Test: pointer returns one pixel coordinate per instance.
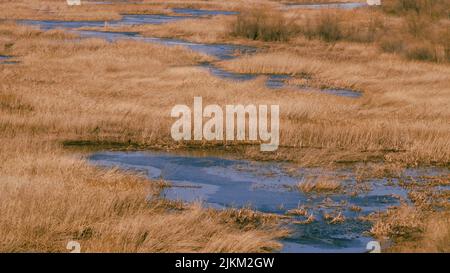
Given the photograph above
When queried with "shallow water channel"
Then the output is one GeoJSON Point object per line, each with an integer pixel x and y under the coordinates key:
{"type": "Point", "coordinates": [348, 5]}
{"type": "Point", "coordinates": [270, 187]}
{"type": "Point", "coordinates": [220, 51]}
{"type": "Point", "coordinates": [5, 60]}
{"type": "Point", "coordinates": [221, 182]}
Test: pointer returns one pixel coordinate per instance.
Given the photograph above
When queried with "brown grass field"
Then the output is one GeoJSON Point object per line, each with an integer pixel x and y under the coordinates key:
{"type": "Point", "coordinates": [69, 91]}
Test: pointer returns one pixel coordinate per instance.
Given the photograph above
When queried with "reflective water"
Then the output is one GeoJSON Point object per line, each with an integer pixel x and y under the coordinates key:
{"type": "Point", "coordinates": [221, 183]}
{"type": "Point", "coordinates": [334, 91]}
{"type": "Point", "coordinates": [127, 19]}
{"type": "Point", "coordinates": [4, 60]}
{"type": "Point", "coordinates": [276, 81]}
{"type": "Point", "coordinates": [326, 6]}
{"type": "Point", "coordinates": [273, 81]}
{"type": "Point", "coordinates": [220, 51]}
{"type": "Point", "coordinates": [201, 12]}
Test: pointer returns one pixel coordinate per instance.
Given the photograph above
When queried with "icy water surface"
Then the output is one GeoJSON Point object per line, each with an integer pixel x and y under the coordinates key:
{"type": "Point", "coordinates": [267, 187]}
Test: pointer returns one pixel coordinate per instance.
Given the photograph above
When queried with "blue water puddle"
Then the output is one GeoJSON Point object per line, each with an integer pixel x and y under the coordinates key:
{"type": "Point", "coordinates": [274, 81]}
{"type": "Point", "coordinates": [127, 20]}
{"type": "Point", "coordinates": [153, 19]}
{"type": "Point", "coordinates": [342, 92]}
{"type": "Point", "coordinates": [224, 74]}
{"type": "Point", "coordinates": [220, 51]}
{"type": "Point", "coordinates": [109, 36]}
{"type": "Point", "coordinates": [326, 6]}
{"type": "Point", "coordinates": [201, 12]}
{"type": "Point", "coordinates": [225, 183]}
{"type": "Point", "coordinates": [4, 60]}
{"type": "Point", "coordinates": [334, 91]}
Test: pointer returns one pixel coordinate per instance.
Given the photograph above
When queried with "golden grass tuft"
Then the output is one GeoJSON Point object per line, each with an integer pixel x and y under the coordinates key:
{"type": "Point", "coordinates": [432, 8]}
{"type": "Point", "coordinates": [399, 222]}
{"type": "Point", "coordinates": [319, 185]}
{"type": "Point", "coordinates": [262, 23]}
{"type": "Point", "coordinates": [311, 219]}
{"type": "Point", "coordinates": [414, 230]}
{"type": "Point", "coordinates": [301, 211]}
{"type": "Point", "coordinates": [333, 219]}
{"type": "Point", "coordinates": [415, 36]}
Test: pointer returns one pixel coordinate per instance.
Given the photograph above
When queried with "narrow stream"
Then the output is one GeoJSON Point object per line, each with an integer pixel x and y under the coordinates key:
{"type": "Point", "coordinates": [220, 51]}
{"type": "Point", "coordinates": [347, 5]}
{"type": "Point", "coordinates": [5, 60]}
{"type": "Point", "coordinates": [269, 187]}
{"type": "Point", "coordinates": [201, 12]}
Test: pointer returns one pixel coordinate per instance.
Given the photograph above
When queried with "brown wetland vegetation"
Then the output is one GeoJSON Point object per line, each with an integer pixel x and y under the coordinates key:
{"type": "Point", "coordinates": [68, 90]}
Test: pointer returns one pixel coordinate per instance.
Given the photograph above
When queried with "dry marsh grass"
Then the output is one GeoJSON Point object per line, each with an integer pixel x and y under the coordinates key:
{"type": "Point", "coordinates": [431, 8]}
{"type": "Point", "coordinates": [416, 30]}
{"type": "Point", "coordinates": [421, 225]}
{"type": "Point", "coordinates": [263, 24]}
{"type": "Point", "coordinates": [300, 211]}
{"type": "Point", "coordinates": [407, 137]}
{"type": "Point", "coordinates": [410, 35]}
{"type": "Point", "coordinates": [416, 36]}
{"type": "Point", "coordinates": [319, 185]}
{"type": "Point", "coordinates": [402, 222]}
{"type": "Point", "coordinates": [59, 10]}
{"type": "Point", "coordinates": [91, 91]}
{"type": "Point", "coordinates": [49, 197]}
{"type": "Point", "coordinates": [414, 230]}
{"type": "Point", "coordinates": [327, 27]}
{"type": "Point", "coordinates": [392, 88]}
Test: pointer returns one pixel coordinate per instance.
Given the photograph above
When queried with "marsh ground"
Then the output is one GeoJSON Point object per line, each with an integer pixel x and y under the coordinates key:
{"type": "Point", "coordinates": [66, 90]}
